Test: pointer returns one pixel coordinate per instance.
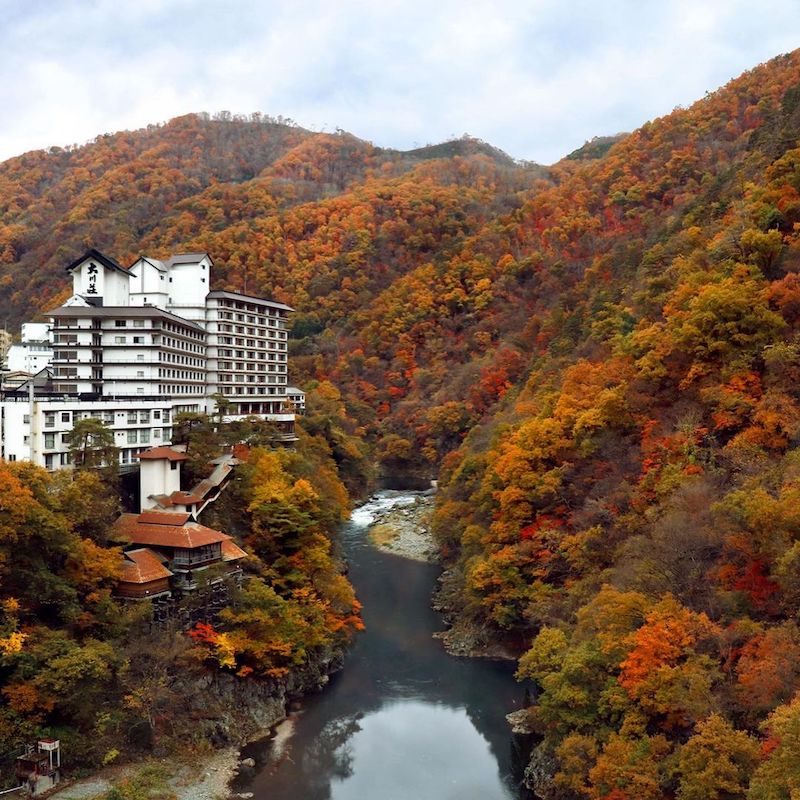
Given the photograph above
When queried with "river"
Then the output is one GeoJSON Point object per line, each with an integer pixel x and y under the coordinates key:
{"type": "Point", "coordinates": [403, 720]}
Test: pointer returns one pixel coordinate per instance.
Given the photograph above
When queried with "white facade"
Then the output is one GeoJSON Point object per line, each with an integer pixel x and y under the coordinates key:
{"type": "Point", "coordinates": [94, 279]}
{"type": "Point", "coordinates": [127, 351]}
{"type": "Point", "coordinates": [38, 430]}
{"type": "Point", "coordinates": [189, 281]}
{"type": "Point", "coordinates": [35, 350]}
{"type": "Point", "coordinates": [297, 397]}
{"type": "Point", "coordinates": [247, 353]}
{"type": "Point", "coordinates": [148, 283]}
{"type": "Point", "coordinates": [158, 476]}
{"type": "Point", "coordinates": [136, 346]}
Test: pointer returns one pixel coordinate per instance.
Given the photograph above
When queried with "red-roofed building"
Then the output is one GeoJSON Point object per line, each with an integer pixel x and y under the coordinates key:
{"type": "Point", "coordinates": [184, 547]}
{"type": "Point", "coordinates": [144, 575]}
{"type": "Point", "coordinates": [165, 542]}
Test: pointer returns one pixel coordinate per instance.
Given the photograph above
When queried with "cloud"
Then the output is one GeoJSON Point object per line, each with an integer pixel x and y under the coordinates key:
{"type": "Point", "coordinates": [534, 78]}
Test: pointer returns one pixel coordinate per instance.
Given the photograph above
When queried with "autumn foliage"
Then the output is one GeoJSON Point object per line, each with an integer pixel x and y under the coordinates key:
{"type": "Point", "coordinates": [599, 361]}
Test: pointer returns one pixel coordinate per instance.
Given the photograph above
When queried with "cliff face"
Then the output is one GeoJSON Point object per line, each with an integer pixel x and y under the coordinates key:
{"type": "Point", "coordinates": [227, 710]}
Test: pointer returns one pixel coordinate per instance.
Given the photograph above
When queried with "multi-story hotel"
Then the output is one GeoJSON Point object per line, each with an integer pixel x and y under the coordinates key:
{"type": "Point", "coordinates": [134, 347]}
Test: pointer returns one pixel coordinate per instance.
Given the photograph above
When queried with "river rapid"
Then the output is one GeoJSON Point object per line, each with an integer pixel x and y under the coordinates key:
{"type": "Point", "coordinates": [403, 720]}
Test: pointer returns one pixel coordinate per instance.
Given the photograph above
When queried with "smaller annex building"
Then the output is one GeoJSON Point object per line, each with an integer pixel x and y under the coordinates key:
{"type": "Point", "coordinates": [166, 550]}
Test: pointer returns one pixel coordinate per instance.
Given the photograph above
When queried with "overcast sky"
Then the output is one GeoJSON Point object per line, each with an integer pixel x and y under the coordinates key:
{"type": "Point", "coordinates": [534, 78]}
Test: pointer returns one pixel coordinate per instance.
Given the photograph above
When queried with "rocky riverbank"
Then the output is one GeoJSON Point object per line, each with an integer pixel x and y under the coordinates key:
{"type": "Point", "coordinates": [206, 777]}
{"type": "Point", "coordinates": [224, 713]}
{"type": "Point", "coordinates": [404, 530]}
{"type": "Point", "coordinates": [465, 636]}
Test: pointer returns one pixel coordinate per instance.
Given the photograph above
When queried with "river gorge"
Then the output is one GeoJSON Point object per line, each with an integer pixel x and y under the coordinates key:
{"type": "Point", "coordinates": [403, 719]}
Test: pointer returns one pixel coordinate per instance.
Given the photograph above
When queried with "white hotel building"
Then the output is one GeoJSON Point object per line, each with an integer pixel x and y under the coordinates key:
{"type": "Point", "coordinates": [133, 347]}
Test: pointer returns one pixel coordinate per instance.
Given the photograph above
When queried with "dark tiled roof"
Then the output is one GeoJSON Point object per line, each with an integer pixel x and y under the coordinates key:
{"type": "Point", "coordinates": [121, 312]}
{"type": "Point", "coordinates": [96, 255]}
{"type": "Point", "coordinates": [187, 258]}
{"type": "Point", "coordinates": [154, 262]}
{"type": "Point", "coordinates": [246, 298]}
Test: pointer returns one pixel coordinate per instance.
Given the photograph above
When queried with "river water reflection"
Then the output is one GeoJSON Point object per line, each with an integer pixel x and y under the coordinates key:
{"type": "Point", "coordinates": [402, 720]}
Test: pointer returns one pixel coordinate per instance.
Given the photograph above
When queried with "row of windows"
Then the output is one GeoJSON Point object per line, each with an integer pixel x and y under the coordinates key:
{"type": "Point", "coordinates": [233, 390]}
{"type": "Point", "coordinates": [228, 328]}
{"type": "Point", "coordinates": [134, 416]}
{"type": "Point", "coordinates": [123, 323]}
{"type": "Point", "coordinates": [180, 344]}
{"type": "Point", "coordinates": [262, 352]}
{"type": "Point", "coordinates": [251, 367]}
{"type": "Point", "coordinates": [124, 339]}
{"type": "Point", "coordinates": [260, 345]}
{"type": "Point", "coordinates": [241, 305]}
{"type": "Point", "coordinates": [188, 332]}
{"type": "Point", "coordinates": [143, 417]}
{"type": "Point", "coordinates": [177, 358]}
{"type": "Point", "coordinates": [182, 374]}
{"type": "Point", "coordinates": [250, 343]}
{"type": "Point", "coordinates": [226, 377]}
{"type": "Point", "coordinates": [134, 436]}
{"type": "Point", "coordinates": [251, 318]}
{"type": "Point", "coordinates": [177, 388]}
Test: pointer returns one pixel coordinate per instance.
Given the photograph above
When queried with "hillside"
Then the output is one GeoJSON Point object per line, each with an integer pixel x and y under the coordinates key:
{"type": "Point", "coordinates": [599, 361]}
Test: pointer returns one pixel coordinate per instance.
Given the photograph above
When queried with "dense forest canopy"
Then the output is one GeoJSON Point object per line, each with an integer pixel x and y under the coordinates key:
{"type": "Point", "coordinates": [598, 360]}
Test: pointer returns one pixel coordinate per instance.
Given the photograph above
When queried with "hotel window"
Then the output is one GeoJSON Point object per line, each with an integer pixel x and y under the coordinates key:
{"type": "Point", "coordinates": [119, 340]}
{"type": "Point", "coordinates": [131, 437]}
{"type": "Point", "coordinates": [49, 440]}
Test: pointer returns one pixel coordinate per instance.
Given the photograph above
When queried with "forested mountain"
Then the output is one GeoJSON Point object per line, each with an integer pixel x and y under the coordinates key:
{"type": "Point", "coordinates": [599, 361]}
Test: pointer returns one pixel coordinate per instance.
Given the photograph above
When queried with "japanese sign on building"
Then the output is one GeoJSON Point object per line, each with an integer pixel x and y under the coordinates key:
{"type": "Point", "coordinates": [91, 272]}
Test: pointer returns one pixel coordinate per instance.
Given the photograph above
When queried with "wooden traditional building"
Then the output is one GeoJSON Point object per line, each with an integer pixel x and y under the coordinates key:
{"type": "Point", "coordinates": [144, 575]}
{"type": "Point", "coordinates": [166, 548]}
